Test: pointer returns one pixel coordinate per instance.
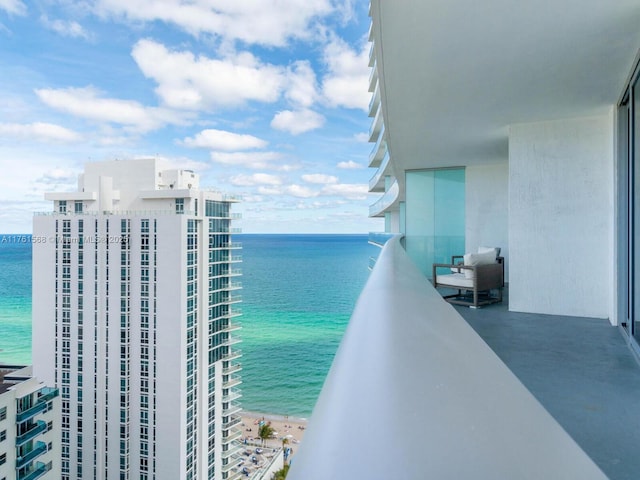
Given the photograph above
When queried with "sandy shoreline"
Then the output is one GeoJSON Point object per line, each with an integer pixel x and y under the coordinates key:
{"type": "Point", "coordinates": [291, 428]}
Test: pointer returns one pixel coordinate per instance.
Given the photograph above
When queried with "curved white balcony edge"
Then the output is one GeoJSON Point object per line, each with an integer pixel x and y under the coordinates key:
{"type": "Point", "coordinates": [387, 200]}
{"type": "Point", "coordinates": [379, 149]}
{"type": "Point", "coordinates": [376, 183]}
{"type": "Point", "coordinates": [414, 393]}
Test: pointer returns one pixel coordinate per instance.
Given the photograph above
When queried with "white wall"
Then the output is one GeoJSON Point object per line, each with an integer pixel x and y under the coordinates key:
{"type": "Point", "coordinates": [487, 209]}
{"type": "Point", "coordinates": [561, 216]}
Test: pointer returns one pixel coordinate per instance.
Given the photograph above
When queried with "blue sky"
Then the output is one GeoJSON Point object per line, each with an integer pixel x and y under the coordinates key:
{"type": "Point", "coordinates": [263, 98]}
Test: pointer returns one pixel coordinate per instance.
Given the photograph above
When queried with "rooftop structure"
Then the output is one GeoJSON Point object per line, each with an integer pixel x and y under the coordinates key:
{"type": "Point", "coordinates": [498, 124]}
{"type": "Point", "coordinates": [135, 301]}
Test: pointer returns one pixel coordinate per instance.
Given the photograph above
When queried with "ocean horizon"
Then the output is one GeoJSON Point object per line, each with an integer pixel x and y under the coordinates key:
{"type": "Point", "coordinates": [298, 294]}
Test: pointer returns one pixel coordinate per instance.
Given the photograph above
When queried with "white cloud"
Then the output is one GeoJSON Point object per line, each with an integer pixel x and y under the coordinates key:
{"type": "Point", "coordinates": [58, 176]}
{"type": "Point", "coordinates": [255, 179]}
{"type": "Point", "coordinates": [266, 22]}
{"type": "Point", "coordinates": [65, 28]}
{"type": "Point", "coordinates": [269, 191]}
{"type": "Point", "coordinates": [302, 88]}
{"type": "Point", "coordinates": [351, 191]}
{"type": "Point", "coordinates": [38, 131]}
{"type": "Point", "coordinates": [300, 191]}
{"type": "Point", "coordinates": [87, 103]}
{"type": "Point", "coordinates": [15, 7]}
{"type": "Point", "coordinates": [350, 165]}
{"type": "Point", "coordinates": [247, 159]}
{"type": "Point", "coordinates": [189, 82]}
{"type": "Point", "coordinates": [361, 137]}
{"type": "Point", "coordinates": [347, 83]}
{"type": "Point", "coordinates": [319, 178]}
{"type": "Point", "coordinates": [223, 140]}
{"type": "Point", "coordinates": [296, 122]}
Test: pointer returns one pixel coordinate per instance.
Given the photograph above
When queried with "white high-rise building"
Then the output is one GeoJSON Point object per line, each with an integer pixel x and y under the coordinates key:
{"type": "Point", "coordinates": [134, 278]}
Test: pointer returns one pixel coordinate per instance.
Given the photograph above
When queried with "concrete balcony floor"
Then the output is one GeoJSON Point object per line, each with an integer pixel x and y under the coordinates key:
{"type": "Point", "coordinates": [581, 370]}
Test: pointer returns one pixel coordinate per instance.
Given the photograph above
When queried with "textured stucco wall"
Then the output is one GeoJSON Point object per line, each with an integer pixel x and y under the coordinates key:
{"type": "Point", "coordinates": [561, 216]}
{"type": "Point", "coordinates": [487, 209]}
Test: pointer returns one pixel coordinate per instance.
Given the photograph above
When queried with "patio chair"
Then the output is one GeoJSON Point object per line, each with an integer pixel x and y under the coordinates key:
{"type": "Point", "coordinates": [477, 278]}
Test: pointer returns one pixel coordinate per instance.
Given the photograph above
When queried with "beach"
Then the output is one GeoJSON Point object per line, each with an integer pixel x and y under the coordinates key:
{"type": "Point", "coordinates": [284, 426]}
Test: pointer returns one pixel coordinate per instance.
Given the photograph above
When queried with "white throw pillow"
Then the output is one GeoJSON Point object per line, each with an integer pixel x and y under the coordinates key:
{"type": "Point", "coordinates": [490, 249]}
{"type": "Point", "coordinates": [472, 259]}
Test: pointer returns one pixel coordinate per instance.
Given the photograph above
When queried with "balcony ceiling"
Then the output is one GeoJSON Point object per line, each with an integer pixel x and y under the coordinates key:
{"type": "Point", "coordinates": [456, 74]}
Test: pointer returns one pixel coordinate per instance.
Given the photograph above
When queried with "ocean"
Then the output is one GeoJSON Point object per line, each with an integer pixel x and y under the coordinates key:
{"type": "Point", "coordinates": [298, 294]}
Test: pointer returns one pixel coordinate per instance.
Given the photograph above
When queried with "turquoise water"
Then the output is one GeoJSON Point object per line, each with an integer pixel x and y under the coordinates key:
{"type": "Point", "coordinates": [298, 294]}
{"type": "Point", "coordinates": [15, 299]}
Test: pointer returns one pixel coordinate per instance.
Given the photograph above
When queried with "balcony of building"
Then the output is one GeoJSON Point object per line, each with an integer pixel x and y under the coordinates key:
{"type": "Point", "coordinates": [376, 183]}
{"type": "Point", "coordinates": [232, 381]}
{"type": "Point", "coordinates": [38, 449]}
{"type": "Point", "coordinates": [231, 396]}
{"type": "Point", "coordinates": [36, 471]}
{"type": "Point", "coordinates": [31, 432]}
{"type": "Point", "coordinates": [376, 126]}
{"type": "Point", "coordinates": [374, 103]}
{"type": "Point", "coordinates": [444, 392]}
{"type": "Point", "coordinates": [31, 412]}
{"type": "Point", "coordinates": [232, 409]}
{"type": "Point", "coordinates": [388, 201]}
{"type": "Point", "coordinates": [379, 150]}
{"type": "Point", "coordinates": [233, 368]}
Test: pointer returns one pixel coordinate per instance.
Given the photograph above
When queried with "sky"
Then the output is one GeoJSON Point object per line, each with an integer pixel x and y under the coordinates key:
{"type": "Point", "coordinates": [267, 99]}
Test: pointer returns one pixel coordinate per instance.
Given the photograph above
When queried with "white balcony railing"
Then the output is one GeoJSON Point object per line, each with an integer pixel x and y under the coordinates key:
{"type": "Point", "coordinates": [415, 393]}
{"type": "Point", "coordinates": [376, 183]}
{"type": "Point", "coordinates": [387, 200]}
{"type": "Point", "coordinates": [378, 150]}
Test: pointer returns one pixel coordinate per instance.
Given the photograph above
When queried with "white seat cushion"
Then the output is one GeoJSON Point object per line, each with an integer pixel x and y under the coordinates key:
{"type": "Point", "coordinates": [456, 280]}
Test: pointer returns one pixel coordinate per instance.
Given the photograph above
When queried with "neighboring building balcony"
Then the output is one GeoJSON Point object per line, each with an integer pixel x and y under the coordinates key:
{"type": "Point", "coordinates": [234, 299]}
{"type": "Point", "coordinates": [38, 449]}
{"type": "Point", "coordinates": [230, 435]}
{"type": "Point", "coordinates": [233, 449]}
{"type": "Point", "coordinates": [233, 341]}
{"type": "Point", "coordinates": [376, 183]}
{"type": "Point", "coordinates": [232, 381]}
{"type": "Point", "coordinates": [234, 286]}
{"type": "Point", "coordinates": [231, 328]}
{"type": "Point", "coordinates": [379, 150]}
{"type": "Point", "coordinates": [376, 127]}
{"type": "Point", "coordinates": [39, 469]}
{"type": "Point", "coordinates": [228, 246]}
{"type": "Point", "coordinates": [374, 103]}
{"type": "Point", "coordinates": [232, 422]}
{"type": "Point", "coordinates": [231, 396]}
{"type": "Point", "coordinates": [233, 368]}
{"type": "Point", "coordinates": [387, 201]}
{"type": "Point", "coordinates": [233, 355]}
{"type": "Point", "coordinates": [34, 430]}
{"type": "Point", "coordinates": [231, 409]}
{"type": "Point", "coordinates": [31, 412]}
{"type": "Point", "coordinates": [46, 394]}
